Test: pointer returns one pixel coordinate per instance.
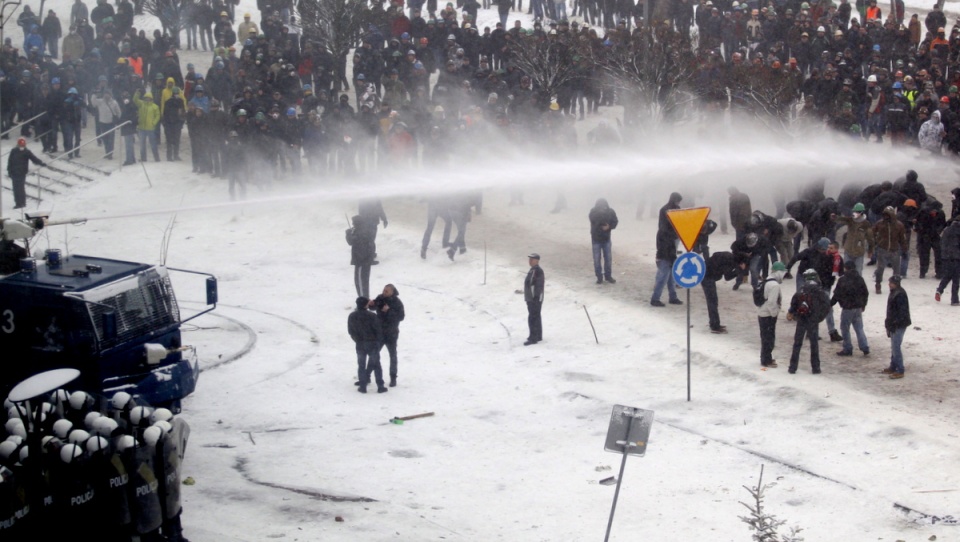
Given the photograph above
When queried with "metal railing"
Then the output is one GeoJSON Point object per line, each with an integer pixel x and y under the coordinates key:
{"type": "Point", "coordinates": [73, 150]}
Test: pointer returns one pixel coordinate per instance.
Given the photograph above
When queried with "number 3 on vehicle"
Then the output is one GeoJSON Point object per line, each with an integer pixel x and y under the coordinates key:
{"type": "Point", "coordinates": [7, 321]}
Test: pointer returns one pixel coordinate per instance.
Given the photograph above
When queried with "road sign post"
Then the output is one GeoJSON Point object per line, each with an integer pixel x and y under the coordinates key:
{"type": "Point", "coordinates": [690, 268]}
{"type": "Point", "coordinates": [627, 435]}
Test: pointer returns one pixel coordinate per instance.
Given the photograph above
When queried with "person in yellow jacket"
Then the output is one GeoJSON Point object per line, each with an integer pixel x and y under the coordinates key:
{"type": "Point", "coordinates": [168, 93]}
{"type": "Point", "coordinates": [148, 117]}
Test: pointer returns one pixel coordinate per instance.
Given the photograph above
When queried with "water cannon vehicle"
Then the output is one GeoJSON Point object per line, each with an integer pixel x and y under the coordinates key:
{"type": "Point", "coordinates": [117, 322]}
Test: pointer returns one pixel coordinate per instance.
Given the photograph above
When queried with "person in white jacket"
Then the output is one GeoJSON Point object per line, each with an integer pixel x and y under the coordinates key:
{"type": "Point", "coordinates": [108, 113]}
{"type": "Point", "coordinates": [768, 312]}
{"type": "Point", "coordinates": [932, 133]}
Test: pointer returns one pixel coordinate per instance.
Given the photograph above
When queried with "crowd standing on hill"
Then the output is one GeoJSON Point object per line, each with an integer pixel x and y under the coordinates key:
{"type": "Point", "coordinates": [426, 80]}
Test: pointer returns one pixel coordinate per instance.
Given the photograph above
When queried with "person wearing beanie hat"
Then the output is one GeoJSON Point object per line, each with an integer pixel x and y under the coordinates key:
{"type": "Point", "coordinates": [852, 295]}
{"type": "Point", "coordinates": [859, 240]}
{"type": "Point", "coordinates": [896, 323]}
{"type": "Point", "coordinates": [768, 312]}
{"type": "Point", "coordinates": [390, 311]}
{"type": "Point", "coordinates": [891, 240]}
{"type": "Point", "coordinates": [808, 308]}
{"type": "Point", "coordinates": [533, 295]}
{"type": "Point", "coordinates": [814, 259]}
{"type": "Point", "coordinates": [365, 330]}
{"type": "Point", "coordinates": [18, 164]}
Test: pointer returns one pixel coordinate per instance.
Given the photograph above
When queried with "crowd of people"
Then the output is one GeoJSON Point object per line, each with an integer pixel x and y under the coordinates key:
{"type": "Point", "coordinates": [424, 83]}
{"type": "Point", "coordinates": [870, 225]}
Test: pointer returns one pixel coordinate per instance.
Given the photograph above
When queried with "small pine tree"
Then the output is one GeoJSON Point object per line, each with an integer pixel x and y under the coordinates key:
{"type": "Point", "coordinates": [765, 526]}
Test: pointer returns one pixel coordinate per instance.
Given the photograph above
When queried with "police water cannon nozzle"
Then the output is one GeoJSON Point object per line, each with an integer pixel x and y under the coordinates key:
{"type": "Point", "coordinates": [12, 229]}
{"type": "Point", "coordinates": [155, 353]}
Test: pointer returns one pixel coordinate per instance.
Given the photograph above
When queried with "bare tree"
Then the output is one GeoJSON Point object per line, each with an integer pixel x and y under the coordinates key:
{"type": "Point", "coordinates": [547, 60]}
{"type": "Point", "coordinates": [769, 95]}
{"type": "Point", "coordinates": [655, 72]}
{"type": "Point", "coordinates": [336, 26]}
{"type": "Point", "coordinates": [173, 14]}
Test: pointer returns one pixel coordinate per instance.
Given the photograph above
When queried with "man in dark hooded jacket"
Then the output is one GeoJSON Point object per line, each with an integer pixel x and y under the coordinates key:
{"type": "Point", "coordinates": [930, 222]}
{"type": "Point", "coordinates": [673, 203]}
{"type": "Point", "coordinates": [361, 238]}
{"type": "Point", "coordinates": [390, 311]}
{"type": "Point", "coordinates": [896, 323]}
{"type": "Point", "coordinates": [852, 295]}
{"type": "Point", "coordinates": [913, 189]}
{"type": "Point", "coordinates": [603, 220]}
{"type": "Point", "coordinates": [364, 328]}
{"type": "Point", "coordinates": [808, 307]}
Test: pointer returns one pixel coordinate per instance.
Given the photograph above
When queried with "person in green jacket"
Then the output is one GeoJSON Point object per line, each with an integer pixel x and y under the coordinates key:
{"type": "Point", "coordinates": [148, 116]}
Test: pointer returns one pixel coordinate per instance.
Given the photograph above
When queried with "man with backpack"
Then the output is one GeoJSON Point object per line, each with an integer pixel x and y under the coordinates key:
{"type": "Point", "coordinates": [768, 298]}
{"type": "Point", "coordinates": [808, 307]}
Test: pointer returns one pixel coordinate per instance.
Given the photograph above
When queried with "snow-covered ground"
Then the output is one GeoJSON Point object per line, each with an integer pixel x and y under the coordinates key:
{"type": "Point", "coordinates": [282, 444]}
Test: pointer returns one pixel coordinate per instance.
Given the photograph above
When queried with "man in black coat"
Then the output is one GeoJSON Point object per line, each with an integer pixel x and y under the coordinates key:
{"type": "Point", "coordinates": [364, 328]}
{"type": "Point", "coordinates": [603, 220]}
{"type": "Point", "coordinates": [852, 295]}
{"type": "Point", "coordinates": [721, 265]}
{"type": "Point", "coordinates": [930, 222]}
{"type": "Point", "coordinates": [371, 211]}
{"type": "Point", "coordinates": [950, 255]}
{"type": "Point", "coordinates": [533, 294]}
{"type": "Point", "coordinates": [815, 258]}
{"type": "Point", "coordinates": [888, 197]}
{"type": "Point", "coordinates": [361, 237]}
{"type": "Point", "coordinates": [754, 249]}
{"type": "Point", "coordinates": [808, 308]}
{"type": "Point", "coordinates": [663, 223]}
{"type": "Point", "coordinates": [897, 322]}
{"type": "Point", "coordinates": [913, 189]}
{"type": "Point", "coordinates": [18, 164]}
{"type": "Point", "coordinates": [390, 311]}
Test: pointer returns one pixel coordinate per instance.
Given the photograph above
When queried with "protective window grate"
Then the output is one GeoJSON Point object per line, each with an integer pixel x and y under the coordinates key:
{"type": "Point", "coordinates": [139, 311]}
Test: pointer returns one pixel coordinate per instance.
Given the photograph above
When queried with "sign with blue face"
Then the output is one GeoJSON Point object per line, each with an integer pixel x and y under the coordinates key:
{"type": "Point", "coordinates": [689, 270]}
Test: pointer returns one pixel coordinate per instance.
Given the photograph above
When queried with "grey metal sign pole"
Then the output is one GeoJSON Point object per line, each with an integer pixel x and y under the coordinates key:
{"type": "Point", "coordinates": [688, 345]}
{"type": "Point", "coordinates": [688, 272]}
{"type": "Point", "coordinates": [627, 434]}
{"type": "Point", "coordinates": [616, 493]}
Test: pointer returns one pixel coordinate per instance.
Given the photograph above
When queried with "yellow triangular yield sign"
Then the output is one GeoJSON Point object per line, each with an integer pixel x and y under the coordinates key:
{"type": "Point", "coordinates": [687, 223]}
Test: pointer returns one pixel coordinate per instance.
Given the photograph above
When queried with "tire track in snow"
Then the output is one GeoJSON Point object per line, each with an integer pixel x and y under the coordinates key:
{"type": "Point", "coordinates": [252, 340]}
{"type": "Point", "coordinates": [240, 465]}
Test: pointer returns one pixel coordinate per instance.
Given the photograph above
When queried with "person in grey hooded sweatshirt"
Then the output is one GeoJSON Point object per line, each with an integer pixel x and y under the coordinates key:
{"type": "Point", "coordinates": [603, 220]}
